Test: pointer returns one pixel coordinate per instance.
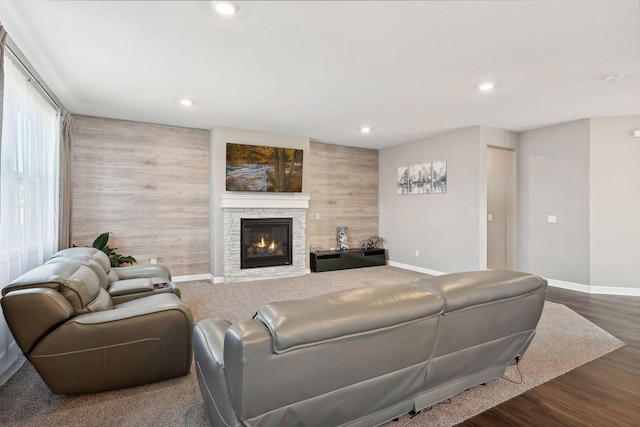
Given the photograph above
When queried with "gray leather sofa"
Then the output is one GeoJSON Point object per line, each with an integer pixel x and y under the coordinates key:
{"type": "Point", "coordinates": [122, 283]}
{"type": "Point", "coordinates": [78, 340]}
{"type": "Point", "coordinates": [364, 356]}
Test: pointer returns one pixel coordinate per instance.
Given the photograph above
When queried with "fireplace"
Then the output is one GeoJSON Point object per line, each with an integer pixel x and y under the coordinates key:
{"type": "Point", "coordinates": [265, 242]}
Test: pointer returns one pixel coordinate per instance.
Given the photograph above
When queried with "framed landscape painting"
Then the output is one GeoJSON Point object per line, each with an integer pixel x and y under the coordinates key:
{"type": "Point", "coordinates": [420, 179]}
{"type": "Point", "coordinates": [263, 169]}
{"type": "Point", "coordinates": [440, 176]}
{"type": "Point", "coordinates": [403, 180]}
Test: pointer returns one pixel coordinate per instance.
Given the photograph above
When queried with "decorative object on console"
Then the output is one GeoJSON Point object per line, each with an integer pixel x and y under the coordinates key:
{"type": "Point", "coordinates": [343, 238]}
{"type": "Point", "coordinates": [263, 169]}
{"type": "Point", "coordinates": [371, 242]}
{"type": "Point", "coordinates": [314, 249]}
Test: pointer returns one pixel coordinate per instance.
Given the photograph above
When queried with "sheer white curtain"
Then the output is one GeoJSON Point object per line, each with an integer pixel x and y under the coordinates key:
{"type": "Point", "coordinates": [28, 187]}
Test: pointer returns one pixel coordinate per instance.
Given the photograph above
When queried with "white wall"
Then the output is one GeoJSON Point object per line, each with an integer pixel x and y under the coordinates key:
{"type": "Point", "coordinates": [449, 230]}
{"type": "Point", "coordinates": [444, 228]}
{"type": "Point", "coordinates": [553, 179]}
{"type": "Point", "coordinates": [219, 138]}
{"type": "Point", "coordinates": [615, 203]}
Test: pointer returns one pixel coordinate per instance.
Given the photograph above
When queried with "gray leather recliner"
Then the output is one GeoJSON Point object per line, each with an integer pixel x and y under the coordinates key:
{"type": "Point", "coordinates": [364, 356]}
{"type": "Point", "coordinates": [122, 283]}
{"type": "Point", "coordinates": [67, 326]}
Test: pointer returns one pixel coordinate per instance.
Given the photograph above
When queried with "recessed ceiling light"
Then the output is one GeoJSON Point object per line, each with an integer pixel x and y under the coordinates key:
{"type": "Point", "coordinates": [365, 129]}
{"type": "Point", "coordinates": [486, 86]}
{"type": "Point", "coordinates": [226, 8]}
{"type": "Point", "coordinates": [186, 102]}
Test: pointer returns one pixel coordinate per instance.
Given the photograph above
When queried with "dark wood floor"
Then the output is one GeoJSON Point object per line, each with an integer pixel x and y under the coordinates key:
{"type": "Point", "coordinates": [604, 392]}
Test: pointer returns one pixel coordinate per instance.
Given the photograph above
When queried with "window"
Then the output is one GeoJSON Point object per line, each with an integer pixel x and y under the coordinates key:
{"type": "Point", "coordinates": [29, 175]}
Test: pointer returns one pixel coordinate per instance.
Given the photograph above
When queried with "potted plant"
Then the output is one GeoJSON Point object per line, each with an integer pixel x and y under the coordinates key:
{"type": "Point", "coordinates": [117, 260]}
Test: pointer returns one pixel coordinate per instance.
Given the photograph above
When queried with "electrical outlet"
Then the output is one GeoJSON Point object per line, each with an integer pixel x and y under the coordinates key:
{"type": "Point", "coordinates": [153, 260]}
{"type": "Point", "coordinates": [417, 253]}
{"type": "Point", "coordinates": [317, 216]}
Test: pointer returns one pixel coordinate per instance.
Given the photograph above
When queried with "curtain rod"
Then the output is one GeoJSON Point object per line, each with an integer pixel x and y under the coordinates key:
{"type": "Point", "coordinates": [33, 79]}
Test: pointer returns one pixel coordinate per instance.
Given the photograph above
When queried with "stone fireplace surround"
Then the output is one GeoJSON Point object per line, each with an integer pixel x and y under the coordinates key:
{"type": "Point", "coordinates": [238, 206]}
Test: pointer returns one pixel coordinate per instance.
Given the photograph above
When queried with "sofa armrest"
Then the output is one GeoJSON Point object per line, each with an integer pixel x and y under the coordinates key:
{"type": "Point", "coordinates": [130, 286]}
{"type": "Point", "coordinates": [142, 270]}
{"type": "Point", "coordinates": [208, 347]}
{"type": "Point", "coordinates": [210, 338]}
{"type": "Point", "coordinates": [30, 313]}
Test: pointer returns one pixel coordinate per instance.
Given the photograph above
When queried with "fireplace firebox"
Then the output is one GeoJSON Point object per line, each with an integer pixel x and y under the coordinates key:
{"type": "Point", "coordinates": [265, 242]}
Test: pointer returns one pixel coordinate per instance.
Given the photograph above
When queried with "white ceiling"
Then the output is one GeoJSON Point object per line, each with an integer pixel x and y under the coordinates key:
{"type": "Point", "coordinates": [323, 69]}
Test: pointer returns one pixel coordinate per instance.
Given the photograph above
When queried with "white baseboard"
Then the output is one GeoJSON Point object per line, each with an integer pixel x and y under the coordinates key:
{"type": "Point", "coordinates": [615, 290]}
{"type": "Point", "coordinates": [414, 268]}
{"type": "Point", "coordinates": [578, 287]}
{"type": "Point", "coordinates": [188, 278]}
{"type": "Point", "coordinates": [600, 290]}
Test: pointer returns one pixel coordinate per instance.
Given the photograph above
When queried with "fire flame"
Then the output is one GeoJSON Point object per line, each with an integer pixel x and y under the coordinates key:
{"type": "Point", "coordinates": [262, 244]}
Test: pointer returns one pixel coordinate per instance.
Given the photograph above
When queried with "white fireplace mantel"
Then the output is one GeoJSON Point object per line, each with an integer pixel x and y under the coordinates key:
{"type": "Point", "coordinates": [264, 201]}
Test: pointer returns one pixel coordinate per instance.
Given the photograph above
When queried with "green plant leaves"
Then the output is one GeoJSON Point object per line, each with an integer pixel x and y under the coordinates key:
{"type": "Point", "coordinates": [115, 258]}
{"type": "Point", "coordinates": [101, 241]}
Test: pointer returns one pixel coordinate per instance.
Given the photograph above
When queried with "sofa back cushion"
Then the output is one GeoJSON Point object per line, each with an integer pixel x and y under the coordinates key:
{"type": "Point", "coordinates": [359, 345]}
{"type": "Point", "coordinates": [463, 290]}
{"type": "Point", "coordinates": [83, 252]}
{"type": "Point", "coordinates": [90, 262]}
{"type": "Point", "coordinates": [77, 283]}
{"type": "Point", "coordinates": [337, 315]}
{"type": "Point", "coordinates": [489, 318]}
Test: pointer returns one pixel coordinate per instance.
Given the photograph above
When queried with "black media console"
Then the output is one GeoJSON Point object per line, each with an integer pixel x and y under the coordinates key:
{"type": "Point", "coordinates": [342, 260]}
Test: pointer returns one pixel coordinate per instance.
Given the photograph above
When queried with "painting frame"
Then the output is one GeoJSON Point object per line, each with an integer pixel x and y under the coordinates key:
{"type": "Point", "coordinates": [263, 168]}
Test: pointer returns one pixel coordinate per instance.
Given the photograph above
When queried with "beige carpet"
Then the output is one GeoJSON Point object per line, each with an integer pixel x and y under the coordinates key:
{"type": "Point", "coordinates": [564, 341]}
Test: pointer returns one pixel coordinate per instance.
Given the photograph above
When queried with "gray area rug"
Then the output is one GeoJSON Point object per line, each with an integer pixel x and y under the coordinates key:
{"type": "Point", "coordinates": [26, 401]}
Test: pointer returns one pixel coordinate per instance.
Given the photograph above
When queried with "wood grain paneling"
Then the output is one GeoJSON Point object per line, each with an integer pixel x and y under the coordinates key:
{"type": "Point", "coordinates": [148, 185]}
{"type": "Point", "coordinates": [344, 192]}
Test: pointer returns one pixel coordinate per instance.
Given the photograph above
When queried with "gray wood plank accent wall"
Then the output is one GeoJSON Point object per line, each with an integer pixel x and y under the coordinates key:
{"type": "Point", "coordinates": [344, 191]}
{"type": "Point", "coordinates": [147, 184]}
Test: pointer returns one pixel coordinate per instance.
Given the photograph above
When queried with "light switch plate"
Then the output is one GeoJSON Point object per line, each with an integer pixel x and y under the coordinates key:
{"type": "Point", "coordinates": [552, 219]}
{"type": "Point", "coordinates": [490, 217]}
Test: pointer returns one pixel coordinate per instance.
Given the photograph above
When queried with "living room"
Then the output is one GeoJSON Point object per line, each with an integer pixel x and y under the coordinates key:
{"type": "Point", "coordinates": [564, 108]}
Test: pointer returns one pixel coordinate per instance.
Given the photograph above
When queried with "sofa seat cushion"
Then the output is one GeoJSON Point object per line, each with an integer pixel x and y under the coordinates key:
{"type": "Point", "coordinates": [463, 290]}
{"type": "Point", "coordinates": [131, 286]}
{"type": "Point", "coordinates": [337, 315]}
